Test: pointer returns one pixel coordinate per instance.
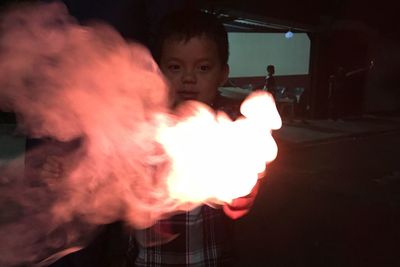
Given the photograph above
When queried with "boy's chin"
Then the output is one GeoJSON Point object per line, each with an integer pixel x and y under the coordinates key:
{"type": "Point", "coordinates": [180, 100]}
{"type": "Point", "coordinates": [190, 108]}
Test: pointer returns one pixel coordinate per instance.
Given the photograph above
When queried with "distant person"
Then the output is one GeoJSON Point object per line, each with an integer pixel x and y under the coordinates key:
{"type": "Point", "coordinates": [270, 84]}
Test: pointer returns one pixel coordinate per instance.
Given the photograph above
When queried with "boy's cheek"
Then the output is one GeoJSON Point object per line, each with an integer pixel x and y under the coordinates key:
{"type": "Point", "coordinates": [172, 91]}
{"type": "Point", "coordinates": [172, 97]}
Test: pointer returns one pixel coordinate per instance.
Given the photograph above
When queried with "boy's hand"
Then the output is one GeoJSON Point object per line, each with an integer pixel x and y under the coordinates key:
{"type": "Point", "coordinates": [242, 205]}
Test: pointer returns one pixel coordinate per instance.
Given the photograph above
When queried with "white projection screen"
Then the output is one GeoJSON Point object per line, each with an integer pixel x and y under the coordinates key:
{"type": "Point", "coordinates": [250, 53]}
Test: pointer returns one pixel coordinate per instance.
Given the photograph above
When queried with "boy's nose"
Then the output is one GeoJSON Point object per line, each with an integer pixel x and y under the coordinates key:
{"type": "Point", "coordinates": [189, 76]}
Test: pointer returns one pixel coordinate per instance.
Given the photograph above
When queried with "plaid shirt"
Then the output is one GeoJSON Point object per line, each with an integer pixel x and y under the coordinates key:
{"type": "Point", "coordinates": [204, 240]}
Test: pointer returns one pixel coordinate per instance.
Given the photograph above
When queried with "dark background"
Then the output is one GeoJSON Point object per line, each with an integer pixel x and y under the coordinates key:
{"type": "Point", "coordinates": [342, 33]}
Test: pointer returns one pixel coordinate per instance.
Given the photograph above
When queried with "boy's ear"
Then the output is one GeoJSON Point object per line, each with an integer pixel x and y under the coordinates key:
{"type": "Point", "coordinates": [224, 74]}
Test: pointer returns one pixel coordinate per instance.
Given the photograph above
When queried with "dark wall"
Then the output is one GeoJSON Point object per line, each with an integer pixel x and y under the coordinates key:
{"type": "Point", "coordinates": [330, 50]}
{"type": "Point", "coordinates": [134, 19]}
{"type": "Point", "coordinates": [368, 91]}
{"type": "Point", "coordinates": [382, 91]}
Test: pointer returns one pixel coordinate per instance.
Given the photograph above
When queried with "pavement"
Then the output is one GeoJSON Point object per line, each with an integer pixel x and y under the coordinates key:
{"type": "Point", "coordinates": [306, 132]}
{"type": "Point", "coordinates": [331, 197]}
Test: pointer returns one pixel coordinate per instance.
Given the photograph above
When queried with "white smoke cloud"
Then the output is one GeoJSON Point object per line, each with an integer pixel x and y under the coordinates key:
{"type": "Point", "coordinates": [83, 84]}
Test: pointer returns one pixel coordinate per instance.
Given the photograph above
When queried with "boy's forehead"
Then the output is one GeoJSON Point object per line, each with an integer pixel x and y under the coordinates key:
{"type": "Point", "coordinates": [197, 46]}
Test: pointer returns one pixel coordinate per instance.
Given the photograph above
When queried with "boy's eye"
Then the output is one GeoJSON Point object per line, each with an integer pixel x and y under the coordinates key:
{"type": "Point", "coordinates": [174, 67]}
{"type": "Point", "coordinates": [205, 67]}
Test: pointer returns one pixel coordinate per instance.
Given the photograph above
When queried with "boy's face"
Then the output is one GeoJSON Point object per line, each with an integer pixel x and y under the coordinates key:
{"type": "Point", "coordinates": [193, 68]}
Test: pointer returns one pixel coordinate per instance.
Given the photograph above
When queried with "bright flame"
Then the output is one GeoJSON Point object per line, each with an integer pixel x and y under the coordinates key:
{"type": "Point", "coordinates": [216, 159]}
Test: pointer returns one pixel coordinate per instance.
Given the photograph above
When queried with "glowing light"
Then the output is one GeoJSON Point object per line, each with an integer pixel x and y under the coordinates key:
{"type": "Point", "coordinates": [288, 34]}
{"type": "Point", "coordinates": [216, 159]}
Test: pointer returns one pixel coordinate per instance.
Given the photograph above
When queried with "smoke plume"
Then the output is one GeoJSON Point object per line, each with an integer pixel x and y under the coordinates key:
{"type": "Point", "coordinates": [94, 97]}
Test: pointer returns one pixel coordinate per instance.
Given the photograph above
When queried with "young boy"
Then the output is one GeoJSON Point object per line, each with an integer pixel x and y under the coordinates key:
{"type": "Point", "coordinates": [192, 52]}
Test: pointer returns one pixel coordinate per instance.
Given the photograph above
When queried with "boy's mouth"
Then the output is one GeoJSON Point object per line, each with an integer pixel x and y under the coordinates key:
{"type": "Point", "coordinates": [187, 95]}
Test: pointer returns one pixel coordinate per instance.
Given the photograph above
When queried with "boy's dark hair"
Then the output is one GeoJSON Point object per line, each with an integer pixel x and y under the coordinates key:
{"type": "Point", "coordinates": [184, 24]}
